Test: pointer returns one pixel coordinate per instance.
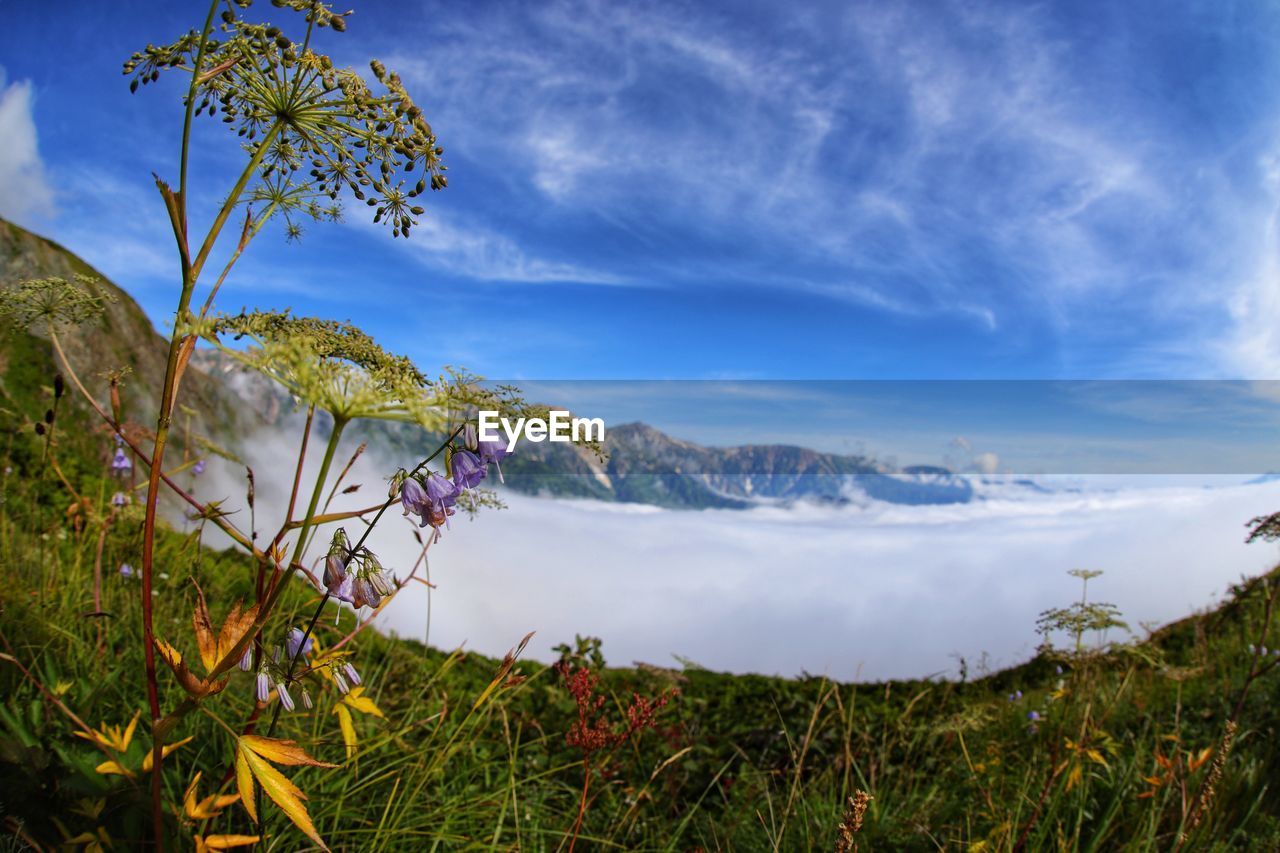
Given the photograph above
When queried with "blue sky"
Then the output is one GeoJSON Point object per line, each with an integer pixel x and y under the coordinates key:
{"type": "Point", "coordinates": [694, 190]}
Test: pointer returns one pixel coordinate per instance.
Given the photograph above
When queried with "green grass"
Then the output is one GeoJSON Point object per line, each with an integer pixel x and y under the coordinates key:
{"type": "Point", "coordinates": [734, 762]}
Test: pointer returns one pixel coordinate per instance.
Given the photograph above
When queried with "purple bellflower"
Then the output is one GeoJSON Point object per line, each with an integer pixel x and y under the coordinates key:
{"type": "Point", "coordinates": [262, 687]}
{"type": "Point", "coordinates": [295, 646]}
{"type": "Point", "coordinates": [468, 470]}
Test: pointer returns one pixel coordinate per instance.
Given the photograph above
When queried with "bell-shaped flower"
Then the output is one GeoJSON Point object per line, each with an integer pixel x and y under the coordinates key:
{"type": "Point", "coordinates": [285, 699]}
{"type": "Point", "coordinates": [468, 471]}
{"type": "Point", "coordinates": [295, 645]}
{"type": "Point", "coordinates": [363, 594]}
{"type": "Point", "coordinates": [352, 676]}
{"type": "Point", "coordinates": [262, 687]}
{"type": "Point", "coordinates": [492, 453]}
{"type": "Point", "coordinates": [120, 462]}
{"type": "Point", "coordinates": [412, 496]}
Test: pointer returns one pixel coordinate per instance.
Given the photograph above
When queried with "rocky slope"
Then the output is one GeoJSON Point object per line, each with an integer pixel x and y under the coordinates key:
{"type": "Point", "coordinates": [121, 339]}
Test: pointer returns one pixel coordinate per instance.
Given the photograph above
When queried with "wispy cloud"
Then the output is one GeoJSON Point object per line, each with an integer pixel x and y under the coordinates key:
{"type": "Point", "coordinates": [476, 252]}
{"type": "Point", "coordinates": [964, 161]}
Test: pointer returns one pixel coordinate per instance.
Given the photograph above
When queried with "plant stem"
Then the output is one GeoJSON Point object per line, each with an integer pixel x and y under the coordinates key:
{"type": "Point", "coordinates": [308, 520]}
{"type": "Point", "coordinates": [174, 366]}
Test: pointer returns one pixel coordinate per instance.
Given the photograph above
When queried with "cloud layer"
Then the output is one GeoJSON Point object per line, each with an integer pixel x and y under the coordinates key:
{"type": "Point", "coordinates": [872, 592]}
{"type": "Point", "coordinates": [25, 193]}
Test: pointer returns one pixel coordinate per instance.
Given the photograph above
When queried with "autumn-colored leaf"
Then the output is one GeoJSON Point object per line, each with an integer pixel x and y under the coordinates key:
{"type": "Point", "coordinates": [280, 751]}
{"type": "Point", "coordinates": [214, 646]}
{"type": "Point", "coordinates": [210, 807]}
{"type": "Point", "coordinates": [114, 738]}
{"type": "Point", "coordinates": [253, 757]}
{"type": "Point", "coordinates": [348, 728]}
{"type": "Point", "coordinates": [224, 842]}
{"type": "Point", "coordinates": [244, 782]}
{"type": "Point", "coordinates": [360, 702]}
{"type": "Point", "coordinates": [203, 628]}
{"type": "Point", "coordinates": [168, 748]}
{"type": "Point", "coordinates": [186, 678]}
{"type": "Point", "coordinates": [234, 627]}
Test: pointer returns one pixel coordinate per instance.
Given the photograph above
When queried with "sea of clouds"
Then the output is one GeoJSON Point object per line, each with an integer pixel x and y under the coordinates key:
{"type": "Point", "coordinates": [864, 591]}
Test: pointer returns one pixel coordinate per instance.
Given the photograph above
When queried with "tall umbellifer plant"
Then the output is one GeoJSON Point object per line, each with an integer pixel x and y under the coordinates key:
{"type": "Point", "coordinates": [313, 135]}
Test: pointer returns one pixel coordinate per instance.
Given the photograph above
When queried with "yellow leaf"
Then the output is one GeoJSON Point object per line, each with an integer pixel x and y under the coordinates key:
{"type": "Point", "coordinates": [112, 768]}
{"type": "Point", "coordinates": [236, 625]}
{"type": "Point", "coordinates": [208, 808]}
{"type": "Point", "coordinates": [168, 748]}
{"type": "Point", "coordinates": [282, 792]}
{"type": "Point", "coordinates": [1073, 778]}
{"type": "Point", "coordinates": [226, 842]}
{"type": "Point", "coordinates": [203, 628]}
{"type": "Point", "coordinates": [356, 699]}
{"type": "Point", "coordinates": [171, 656]}
{"type": "Point", "coordinates": [1096, 758]}
{"type": "Point", "coordinates": [244, 781]}
{"type": "Point", "coordinates": [111, 736]}
{"type": "Point", "coordinates": [348, 729]}
{"type": "Point", "coordinates": [280, 751]}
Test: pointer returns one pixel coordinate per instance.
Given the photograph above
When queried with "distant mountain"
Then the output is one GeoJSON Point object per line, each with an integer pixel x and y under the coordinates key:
{"type": "Point", "coordinates": [642, 464]}
{"type": "Point", "coordinates": [645, 465]}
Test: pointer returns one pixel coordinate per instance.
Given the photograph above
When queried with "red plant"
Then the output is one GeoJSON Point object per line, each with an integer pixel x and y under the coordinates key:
{"type": "Point", "coordinates": [594, 733]}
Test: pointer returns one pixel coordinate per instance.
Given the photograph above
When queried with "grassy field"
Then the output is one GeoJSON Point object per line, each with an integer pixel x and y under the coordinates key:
{"type": "Point", "coordinates": [1164, 743]}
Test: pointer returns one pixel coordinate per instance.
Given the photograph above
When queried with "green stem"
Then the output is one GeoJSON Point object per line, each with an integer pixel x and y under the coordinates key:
{"type": "Point", "coordinates": [191, 101]}
{"type": "Point", "coordinates": [232, 200]}
{"type": "Point", "coordinates": [308, 520]}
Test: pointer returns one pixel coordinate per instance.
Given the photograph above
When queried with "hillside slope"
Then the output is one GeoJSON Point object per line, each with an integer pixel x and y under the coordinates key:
{"type": "Point", "coordinates": [122, 339]}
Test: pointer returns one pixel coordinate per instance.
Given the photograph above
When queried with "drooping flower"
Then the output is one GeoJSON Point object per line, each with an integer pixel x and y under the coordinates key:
{"type": "Point", "coordinates": [126, 570]}
{"type": "Point", "coordinates": [337, 580]}
{"type": "Point", "coordinates": [440, 492]}
{"type": "Point", "coordinates": [198, 468]}
{"type": "Point", "coordinates": [306, 699]}
{"type": "Point", "coordinates": [285, 699]}
{"type": "Point", "coordinates": [412, 497]}
{"type": "Point", "coordinates": [120, 462]}
{"type": "Point", "coordinates": [363, 594]}
{"type": "Point", "coordinates": [340, 682]}
{"type": "Point", "coordinates": [1033, 715]}
{"type": "Point", "coordinates": [119, 499]}
{"type": "Point", "coordinates": [468, 470]}
{"type": "Point", "coordinates": [246, 660]}
{"type": "Point", "coordinates": [294, 644]}
{"type": "Point", "coordinates": [262, 687]}
{"type": "Point", "coordinates": [492, 453]}
{"type": "Point", "coordinates": [350, 671]}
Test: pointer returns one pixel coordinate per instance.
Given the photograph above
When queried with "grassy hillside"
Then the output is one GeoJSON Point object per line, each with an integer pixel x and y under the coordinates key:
{"type": "Point", "coordinates": [1160, 744]}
